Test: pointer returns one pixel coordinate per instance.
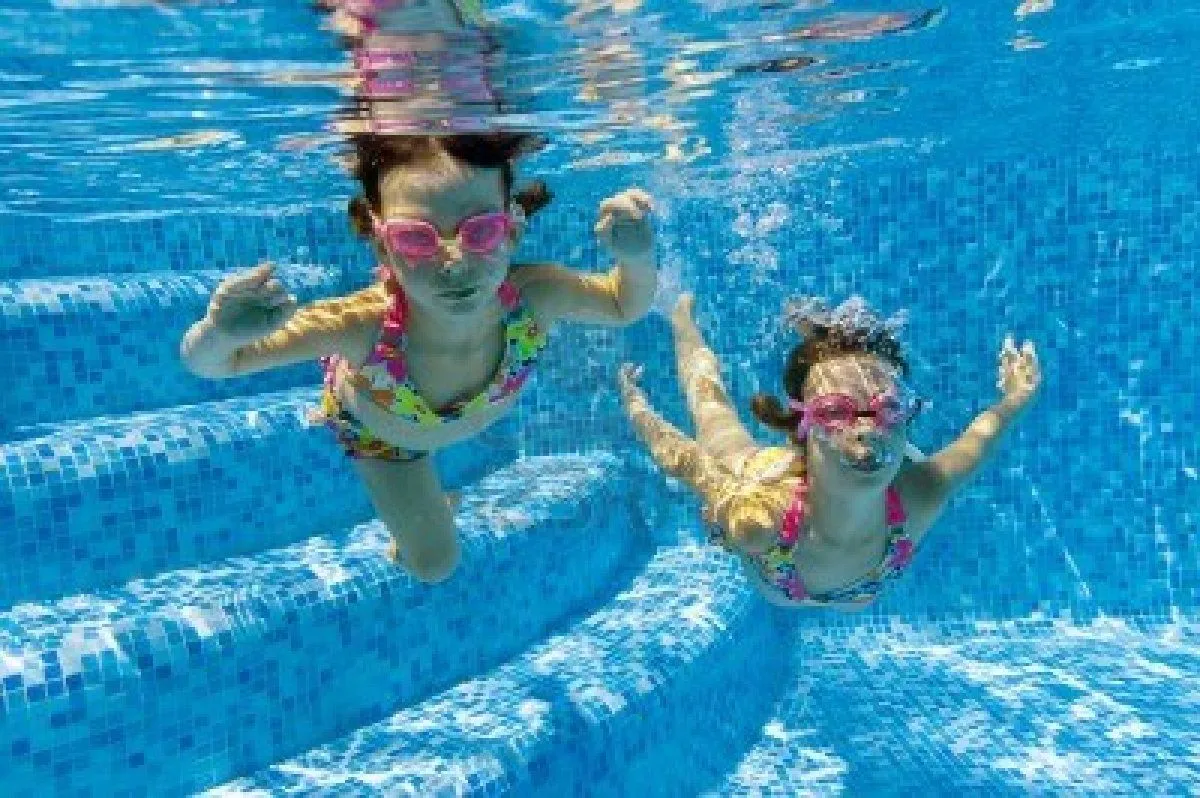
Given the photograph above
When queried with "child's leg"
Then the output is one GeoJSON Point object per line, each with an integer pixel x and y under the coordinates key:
{"type": "Point", "coordinates": [674, 452]}
{"type": "Point", "coordinates": [718, 428]}
{"type": "Point", "coordinates": [409, 500]}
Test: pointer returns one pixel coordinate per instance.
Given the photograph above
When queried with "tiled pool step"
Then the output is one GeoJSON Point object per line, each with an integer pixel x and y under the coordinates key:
{"type": "Point", "coordinates": [184, 680]}
{"type": "Point", "coordinates": [95, 503]}
{"type": "Point", "coordinates": [110, 344]}
{"type": "Point", "coordinates": [567, 715]}
{"type": "Point", "coordinates": [176, 240]}
{"type": "Point", "coordinates": [1060, 709]}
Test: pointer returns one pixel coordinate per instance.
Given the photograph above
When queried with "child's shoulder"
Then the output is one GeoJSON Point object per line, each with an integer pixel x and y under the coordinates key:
{"type": "Point", "coordinates": [348, 317]}
{"type": "Point", "coordinates": [538, 285]}
{"type": "Point", "coordinates": [531, 275]}
{"type": "Point", "coordinates": [352, 320]}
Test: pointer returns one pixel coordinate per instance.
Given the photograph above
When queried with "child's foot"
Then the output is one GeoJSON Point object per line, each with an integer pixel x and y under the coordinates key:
{"type": "Point", "coordinates": [682, 314]}
{"type": "Point", "coordinates": [628, 375]}
{"type": "Point", "coordinates": [393, 551]}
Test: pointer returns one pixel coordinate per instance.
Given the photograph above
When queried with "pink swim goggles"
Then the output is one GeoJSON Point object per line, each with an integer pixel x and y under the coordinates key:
{"type": "Point", "coordinates": [417, 240]}
{"type": "Point", "coordinates": [367, 10]}
{"type": "Point", "coordinates": [836, 412]}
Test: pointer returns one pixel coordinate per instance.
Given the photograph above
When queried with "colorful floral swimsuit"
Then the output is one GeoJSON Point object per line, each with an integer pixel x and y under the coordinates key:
{"type": "Point", "coordinates": [385, 378]}
{"type": "Point", "coordinates": [777, 565]}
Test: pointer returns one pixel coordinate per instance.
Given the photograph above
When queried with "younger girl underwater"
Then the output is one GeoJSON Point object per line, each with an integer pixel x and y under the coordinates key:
{"type": "Point", "coordinates": [441, 345]}
{"type": "Point", "coordinates": [828, 519]}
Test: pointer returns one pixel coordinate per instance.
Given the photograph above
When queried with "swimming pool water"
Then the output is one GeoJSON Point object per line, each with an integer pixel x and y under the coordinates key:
{"type": "Point", "coordinates": [191, 593]}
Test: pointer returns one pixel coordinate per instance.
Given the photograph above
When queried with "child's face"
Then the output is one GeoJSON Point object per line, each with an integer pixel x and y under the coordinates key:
{"type": "Point", "coordinates": [453, 280]}
{"type": "Point", "coordinates": [863, 452]}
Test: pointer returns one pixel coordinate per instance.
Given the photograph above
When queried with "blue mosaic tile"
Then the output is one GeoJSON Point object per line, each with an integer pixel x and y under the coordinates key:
{"type": "Point", "coordinates": [147, 243]}
{"type": "Point", "coordinates": [1086, 515]}
{"type": "Point", "coordinates": [1013, 709]}
{"type": "Point", "coordinates": [97, 503]}
{"type": "Point", "coordinates": [231, 634]}
{"type": "Point", "coordinates": [568, 712]}
{"type": "Point", "coordinates": [64, 340]}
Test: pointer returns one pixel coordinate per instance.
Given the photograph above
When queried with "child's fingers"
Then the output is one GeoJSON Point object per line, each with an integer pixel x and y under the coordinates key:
{"type": "Point", "coordinates": [604, 226]}
{"type": "Point", "coordinates": [634, 199]}
{"type": "Point", "coordinates": [622, 205]}
{"type": "Point", "coordinates": [630, 207]}
{"type": "Point", "coordinates": [1008, 350]}
{"type": "Point", "coordinates": [258, 275]}
{"type": "Point", "coordinates": [248, 282]}
{"type": "Point", "coordinates": [1030, 360]}
{"type": "Point", "coordinates": [642, 199]}
{"type": "Point", "coordinates": [607, 205]}
{"type": "Point", "coordinates": [1026, 356]}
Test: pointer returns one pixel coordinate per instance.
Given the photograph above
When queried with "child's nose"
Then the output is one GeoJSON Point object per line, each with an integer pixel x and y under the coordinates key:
{"type": "Point", "coordinates": [451, 255]}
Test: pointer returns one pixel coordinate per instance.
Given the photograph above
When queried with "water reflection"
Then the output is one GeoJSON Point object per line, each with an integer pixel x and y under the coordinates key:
{"type": "Point", "coordinates": [632, 81]}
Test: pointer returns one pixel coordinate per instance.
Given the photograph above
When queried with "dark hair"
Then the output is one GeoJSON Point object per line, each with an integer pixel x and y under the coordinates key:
{"type": "Point", "coordinates": [822, 343]}
{"type": "Point", "coordinates": [375, 154]}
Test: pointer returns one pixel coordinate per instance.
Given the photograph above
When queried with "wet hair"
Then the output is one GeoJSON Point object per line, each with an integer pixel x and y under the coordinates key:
{"type": "Point", "coordinates": [374, 155]}
{"type": "Point", "coordinates": [824, 342]}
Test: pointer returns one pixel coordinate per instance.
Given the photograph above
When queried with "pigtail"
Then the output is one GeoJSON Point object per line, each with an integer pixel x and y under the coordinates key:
{"type": "Point", "coordinates": [359, 211]}
{"type": "Point", "coordinates": [533, 198]}
{"type": "Point", "coordinates": [771, 412]}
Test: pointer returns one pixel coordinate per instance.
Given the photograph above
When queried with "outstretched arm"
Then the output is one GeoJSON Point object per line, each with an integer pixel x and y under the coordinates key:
{"type": "Point", "coordinates": [619, 297]}
{"type": "Point", "coordinates": [936, 479]}
{"type": "Point", "coordinates": [253, 324]}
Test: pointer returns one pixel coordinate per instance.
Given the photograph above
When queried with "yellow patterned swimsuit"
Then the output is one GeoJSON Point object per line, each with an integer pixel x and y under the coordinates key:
{"type": "Point", "coordinates": [777, 564]}
{"type": "Point", "coordinates": [385, 378]}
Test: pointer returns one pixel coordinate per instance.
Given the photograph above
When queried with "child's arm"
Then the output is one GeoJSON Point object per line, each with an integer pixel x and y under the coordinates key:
{"type": "Point", "coordinates": [748, 523]}
{"type": "Point", "coordinates": [933, 481]}
{"type": "Point", "coordinates": [253, 324]}
{"type": "Point", "coordinates": [619, 297]}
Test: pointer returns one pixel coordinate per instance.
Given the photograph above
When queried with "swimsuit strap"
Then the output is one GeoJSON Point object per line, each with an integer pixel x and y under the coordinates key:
{"type": "Point", "coordinates": [523, 341]}
{"type": "Point", "coordinates": [793, 517]}
{"type": "Point", "coordinates": [900, 545]}
{"type": "Point", "coordinates": [894, 507]}
{"type": "Point", "coordinates": [778, 566]}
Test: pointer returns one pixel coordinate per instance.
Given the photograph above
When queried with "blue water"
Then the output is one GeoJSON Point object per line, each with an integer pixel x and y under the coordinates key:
{"type": "Point", "coordinates": [192, 597]}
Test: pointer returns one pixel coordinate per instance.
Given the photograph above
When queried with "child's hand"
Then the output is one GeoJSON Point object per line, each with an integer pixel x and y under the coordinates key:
{"type": "Point", "coordinates": [246, 307]}
{"type": "Point", "coordinates": [624, 228]}
{"type": "Point", "coordinates": [1020, 372]}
